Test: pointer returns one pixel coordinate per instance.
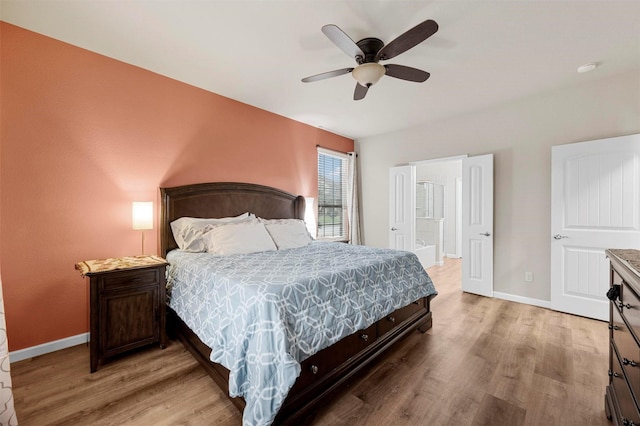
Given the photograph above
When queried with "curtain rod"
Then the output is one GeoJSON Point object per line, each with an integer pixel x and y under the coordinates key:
{"type": "Point", "coordinates": [335, 150]}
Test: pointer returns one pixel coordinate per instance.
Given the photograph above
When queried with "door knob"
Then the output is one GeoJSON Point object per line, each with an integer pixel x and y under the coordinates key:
{"type": "Point", "coordinates": [486, 234]}
{"type": "Point", "coordinates": [394, 229]}
{"type": "Point", "coordinates": [559, 237]}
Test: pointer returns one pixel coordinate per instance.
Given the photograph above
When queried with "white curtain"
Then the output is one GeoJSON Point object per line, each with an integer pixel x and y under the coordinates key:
{"type": "Point", "coordinates": [7, 412]}
{"type": "Point", "coordinates": [353, 211]}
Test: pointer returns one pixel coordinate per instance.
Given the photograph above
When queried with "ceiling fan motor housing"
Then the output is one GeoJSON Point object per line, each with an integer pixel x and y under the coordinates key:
{"type": "Point", "coordinates": [370, 46]}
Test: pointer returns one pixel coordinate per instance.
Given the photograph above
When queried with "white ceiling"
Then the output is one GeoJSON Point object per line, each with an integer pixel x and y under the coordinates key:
{"type": "Point", "coordinates": [485, 52]}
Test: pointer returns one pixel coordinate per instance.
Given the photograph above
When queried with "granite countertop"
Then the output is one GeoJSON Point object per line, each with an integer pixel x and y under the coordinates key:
{"type": "Point", "coordinates": [632, 257]}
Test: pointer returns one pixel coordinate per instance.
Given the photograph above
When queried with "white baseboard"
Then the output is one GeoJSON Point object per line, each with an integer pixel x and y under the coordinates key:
{"type": "Point", "coordinates": [46, 348]}
{"type": "Point", "coordinates": [521, 299]}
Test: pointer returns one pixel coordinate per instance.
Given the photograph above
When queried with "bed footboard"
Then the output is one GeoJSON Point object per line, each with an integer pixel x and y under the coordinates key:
{"type": "Point", "coordinates": [323, 373]}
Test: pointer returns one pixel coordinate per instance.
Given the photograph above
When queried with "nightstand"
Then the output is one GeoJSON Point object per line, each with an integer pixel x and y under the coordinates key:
{"type": "Point", "coordinates": [127, 304]}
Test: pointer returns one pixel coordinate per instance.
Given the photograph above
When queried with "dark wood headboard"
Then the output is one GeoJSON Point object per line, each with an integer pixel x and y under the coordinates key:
{"type": "Point", "coordinates": [223, 199]}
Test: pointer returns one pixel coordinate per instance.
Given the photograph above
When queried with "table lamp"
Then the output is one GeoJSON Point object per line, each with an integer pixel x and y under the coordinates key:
{"type": "Point", "coordinates": [142, 217]}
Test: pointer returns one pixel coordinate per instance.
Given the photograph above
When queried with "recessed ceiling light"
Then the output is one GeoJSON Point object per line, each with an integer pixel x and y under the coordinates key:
{"type": "Point", "coordinates": [587, 67]}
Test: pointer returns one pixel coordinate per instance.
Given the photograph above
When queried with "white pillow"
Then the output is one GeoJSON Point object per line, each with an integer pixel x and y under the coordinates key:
{"type": "Point", "coordinates": [188, 231]}
{"type": "Point", "coordinates": [289, 233]}
{"type": "Point", "coordinates": [238, 238]}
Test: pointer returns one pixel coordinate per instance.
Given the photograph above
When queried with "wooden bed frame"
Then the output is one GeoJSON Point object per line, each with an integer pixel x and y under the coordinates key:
{"type": "Point", "coordinates": [323, 373]}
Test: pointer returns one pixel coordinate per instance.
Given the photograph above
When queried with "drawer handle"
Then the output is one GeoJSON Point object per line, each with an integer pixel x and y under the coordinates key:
{"type": "Point", "coordinates": [314, 369]}
{"type": "Point", "coordinates": [613, 327]}
{"type": "Point", "coordinates": [627, 422]}
{"type": "Point", "coordinates": [392, 319]}
{"type": "Point", "coordinates": [623, 305]}
{"type": "Point", "coordinates": [614, 292]}
{"type": "Point", "coordinates": [364, 337]}
{"type": "Point", "coordinates": [613, 374]}
{"type": "Point", "coordinates": [417, 302]}
{"type": "Point", "coordinates": [632, 363]}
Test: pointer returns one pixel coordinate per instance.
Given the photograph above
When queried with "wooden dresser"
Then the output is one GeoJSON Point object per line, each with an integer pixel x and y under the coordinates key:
{"type": "Point", "coordinates": [623, 393]}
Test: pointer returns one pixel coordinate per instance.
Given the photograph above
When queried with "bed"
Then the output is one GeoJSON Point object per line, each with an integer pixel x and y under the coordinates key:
{"type": "Point", "coordinates": [305, 371]}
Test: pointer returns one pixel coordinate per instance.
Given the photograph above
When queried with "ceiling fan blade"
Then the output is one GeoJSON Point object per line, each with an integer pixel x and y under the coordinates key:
{"type": "Point", "coordinates": [342, 40]}
{"type": "Point", "coordinates": [328, 74]}
{"type": "Point", "coordinates": [407, 40]}
{"type": "Point", "coordinates": [406, 73]}
{"type": "Point", "coordinates": [360, 92]}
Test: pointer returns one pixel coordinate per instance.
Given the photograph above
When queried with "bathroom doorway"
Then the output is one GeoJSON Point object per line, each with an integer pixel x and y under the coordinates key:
{"type": "Point", "coordinates": [466, 228]}
{"type": "Point", "coordinates": [438, 207]}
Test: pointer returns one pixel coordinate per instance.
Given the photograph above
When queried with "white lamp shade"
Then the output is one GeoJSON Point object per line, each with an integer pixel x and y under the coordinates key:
{"type": "Point", "coordinates": [310, 216]}
{"type": "Point", "coordinates": [142, 215]}
{"type": "Point", "coordinates": [368, 74]}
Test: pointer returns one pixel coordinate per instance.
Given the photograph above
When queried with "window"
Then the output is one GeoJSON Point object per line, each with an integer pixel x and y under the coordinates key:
{"type": "Point", "coordinates": [332, 195]}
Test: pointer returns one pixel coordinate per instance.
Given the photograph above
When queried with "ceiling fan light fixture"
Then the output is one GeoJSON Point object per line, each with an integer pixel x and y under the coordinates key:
{"type": "Point", "coordinates": [368, 74]}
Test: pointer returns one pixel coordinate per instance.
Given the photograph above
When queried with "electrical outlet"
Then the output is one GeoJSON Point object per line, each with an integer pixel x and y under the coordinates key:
{"type": "Point", "coordinates": [528, 277]}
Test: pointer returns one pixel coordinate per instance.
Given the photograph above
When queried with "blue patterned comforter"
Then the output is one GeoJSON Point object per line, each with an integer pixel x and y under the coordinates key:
{"type": "Point", "coordinates": [264, 313]}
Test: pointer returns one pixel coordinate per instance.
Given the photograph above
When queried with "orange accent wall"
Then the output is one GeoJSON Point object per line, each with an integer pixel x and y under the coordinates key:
{"type": "Point", "coordinates": [82, 136]}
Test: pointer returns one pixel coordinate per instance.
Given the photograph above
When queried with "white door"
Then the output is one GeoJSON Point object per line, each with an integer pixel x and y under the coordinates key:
{"type": "Point", "coordinates": [595, 205]}
{"type": "Point", "coordinates": [477, 225]}
{"type": "Point", "coordinates": [402, 202]}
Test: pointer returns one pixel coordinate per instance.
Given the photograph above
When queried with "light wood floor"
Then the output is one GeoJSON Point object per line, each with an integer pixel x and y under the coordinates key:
{"type": "Point", "coordinates": [484, 362]}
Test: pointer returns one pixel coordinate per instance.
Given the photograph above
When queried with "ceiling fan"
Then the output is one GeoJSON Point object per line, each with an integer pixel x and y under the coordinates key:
{"type": "Point", "coordinates": [369, 51]}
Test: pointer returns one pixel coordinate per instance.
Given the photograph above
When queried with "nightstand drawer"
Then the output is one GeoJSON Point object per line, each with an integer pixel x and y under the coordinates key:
{"type": "Point", "coordinates": [129, 278]}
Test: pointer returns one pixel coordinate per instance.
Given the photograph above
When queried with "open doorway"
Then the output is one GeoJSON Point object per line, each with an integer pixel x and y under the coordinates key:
{"type": "Point", "coordinates": [438, 207]}
{"type": "Point", "coordinates": [433, 232]}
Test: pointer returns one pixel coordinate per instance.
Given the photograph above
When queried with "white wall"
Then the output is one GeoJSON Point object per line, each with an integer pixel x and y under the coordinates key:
{"type": "Point", "coordinates": [520, 134]}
